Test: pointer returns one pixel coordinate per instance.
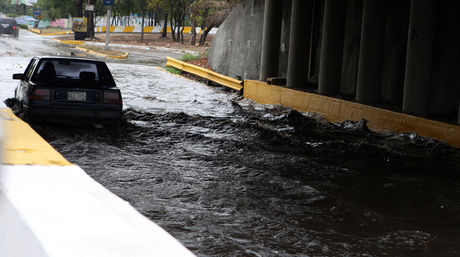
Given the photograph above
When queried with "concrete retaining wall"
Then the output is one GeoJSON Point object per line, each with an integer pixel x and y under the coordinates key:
{"type": "Point", "coordinates": [236, 51]}
{"type": "Point", "coordinates": [236, 48]}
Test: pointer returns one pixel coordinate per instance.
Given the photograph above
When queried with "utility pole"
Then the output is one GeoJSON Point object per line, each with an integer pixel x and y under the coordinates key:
{"type": "Point", "coordinates": [108, 4]}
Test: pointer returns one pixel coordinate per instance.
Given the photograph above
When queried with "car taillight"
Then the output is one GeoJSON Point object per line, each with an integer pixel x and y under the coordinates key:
{"type": "Point", "coordinates": [40, 94]}
{"type": "Point", "coordinates": [112, 98]}
{"type": "Point", "coordinates": [14, 27]}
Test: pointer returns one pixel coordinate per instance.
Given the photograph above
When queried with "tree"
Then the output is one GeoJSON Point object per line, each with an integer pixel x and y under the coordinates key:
{"type": "Point", "coordinates": [162, 9]}
{"type": "Point", "coordinates": [210, 13]}
{"type": "Point", "coordinates": [143, 14]}
{"type": "Point", "coordinates": [206, 14]}
{"type": "Point", "coordinates": [90, 22]}
{"type": "Point", "coordinates": [78, 8]}
{"type": "Point", "coordinates": [58, 8]}
{"type": "Point", "coordinates": [8, 8]}
{"type": "Point", "coordinates": [196, 14]}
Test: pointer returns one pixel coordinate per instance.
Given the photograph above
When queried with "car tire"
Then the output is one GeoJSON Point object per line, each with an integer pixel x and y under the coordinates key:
{"type": "Point", "coordinates": [20, 110]}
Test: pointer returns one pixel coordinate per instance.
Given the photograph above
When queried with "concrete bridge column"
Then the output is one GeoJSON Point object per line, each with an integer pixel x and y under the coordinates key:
{"type": "Point", "coordinates": [458, 121]}
{"type": "Point", "coordinates": [332, 47]}
{"type": "Point", "coordinates": [418, 58]}
{"type": "Point", "coordinates": [271, 39]}
{"type": "Point", "coordinates": [298, 43]}
{"type": "Point", "coordinates": [371, 52]}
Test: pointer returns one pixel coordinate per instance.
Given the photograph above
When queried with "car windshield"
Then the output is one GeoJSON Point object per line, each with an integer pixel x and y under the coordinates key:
{"type": "Point", "coordinates": [55, 70]}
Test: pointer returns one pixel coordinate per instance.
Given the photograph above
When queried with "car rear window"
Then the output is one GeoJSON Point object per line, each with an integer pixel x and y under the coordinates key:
{"type": "Point", "coordinates": [67, 70]}
{"type": "Point", "coordinates": [7, 21]}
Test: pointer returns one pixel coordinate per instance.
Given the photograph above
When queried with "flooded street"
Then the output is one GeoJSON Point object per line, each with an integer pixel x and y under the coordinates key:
{"type": "Point", "coordinates": [272, 183]}
{"type": "Point", "coordinates": [229, 177]}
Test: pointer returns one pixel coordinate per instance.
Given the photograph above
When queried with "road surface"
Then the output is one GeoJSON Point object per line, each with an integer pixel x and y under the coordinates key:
{"type": "Point", "coordinates": [229, 177]}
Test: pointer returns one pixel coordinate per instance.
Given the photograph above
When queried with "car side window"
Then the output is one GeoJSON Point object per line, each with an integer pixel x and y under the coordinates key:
{"type": "Point", "coordinates": [29, 69]}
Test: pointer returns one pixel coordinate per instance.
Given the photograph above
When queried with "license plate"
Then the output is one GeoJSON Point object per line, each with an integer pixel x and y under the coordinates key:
{"type": "Point", "coordinates": [76, 96]}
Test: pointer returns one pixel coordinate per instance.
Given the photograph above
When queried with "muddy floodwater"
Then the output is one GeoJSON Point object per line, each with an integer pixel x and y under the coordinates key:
{"type": "Point", "coordinates": [269, 181]}
{"type": "Point", "coordinates": [229, 177]}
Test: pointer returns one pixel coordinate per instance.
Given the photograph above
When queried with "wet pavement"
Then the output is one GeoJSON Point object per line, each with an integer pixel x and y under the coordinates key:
{"type": "Point", "coordinates": [229, 177]}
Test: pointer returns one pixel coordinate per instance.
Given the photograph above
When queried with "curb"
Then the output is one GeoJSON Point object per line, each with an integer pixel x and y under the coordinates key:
{"type": "Point", "coordinates": [58, 33]}
{"type": "Point", "coordinates": [39, 31]}
{"type": "Point", "coordinates": [123, 56]}
{"type": "Point", "coordinates": [36, 31]}
{"type": "Point", "coordinates": [69, 42]}
{"type": "Point", "coordinates": [24, 146]}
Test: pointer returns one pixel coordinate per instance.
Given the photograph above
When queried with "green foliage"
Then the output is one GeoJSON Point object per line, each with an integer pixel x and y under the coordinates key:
{"type": "Point", "coordinates": [158, 4]}
{"type": "Point", "coordinates": [12, 10]}
{"type": "Point", "coordinates": [6, 7]}
{"type": "Point", "coordinates": [189, 57]}
{"type": "Point", "coordinates": [24, 26]}
{"type": "Point", "coordinates": [172, 70]}
{"type": "Point", "coordinates": [55, 9]}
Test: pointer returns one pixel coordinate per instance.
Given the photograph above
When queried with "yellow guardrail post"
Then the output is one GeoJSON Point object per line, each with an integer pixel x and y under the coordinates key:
{"type": "Point", "coordinates": [205, 73]}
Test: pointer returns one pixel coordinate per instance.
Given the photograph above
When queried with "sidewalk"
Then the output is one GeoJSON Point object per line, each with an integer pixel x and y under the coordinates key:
{"type": "Point", "coordinates": [126, 41]}
{"type": "Point", "coordinates": [94, 50]}
{"type": "Point", "coordinates": [81, 45]}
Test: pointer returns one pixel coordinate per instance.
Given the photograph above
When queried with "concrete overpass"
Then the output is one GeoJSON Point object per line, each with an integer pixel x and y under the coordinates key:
{"type": "Point", "coordinates": [397, 55]}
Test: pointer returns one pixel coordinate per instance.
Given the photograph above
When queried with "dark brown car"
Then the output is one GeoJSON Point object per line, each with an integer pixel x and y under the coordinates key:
{"type": "Point", "coordinates": [68, 90]}
{"type": "Point", "coordinates": [9, 26]}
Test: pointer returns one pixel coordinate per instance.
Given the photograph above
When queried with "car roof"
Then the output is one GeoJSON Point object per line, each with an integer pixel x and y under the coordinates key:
{"type": "Point", "coordinates": [67, 58]}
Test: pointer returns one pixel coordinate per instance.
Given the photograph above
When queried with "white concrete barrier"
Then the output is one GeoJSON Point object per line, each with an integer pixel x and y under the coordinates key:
{"type": "Point", "coordinates": [57, 211]}
{"type": "Point", "coordinates": [51, 208]}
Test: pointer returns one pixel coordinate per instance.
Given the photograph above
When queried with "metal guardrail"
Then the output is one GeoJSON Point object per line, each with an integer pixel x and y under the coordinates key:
{"type": "Point", "coordinates": [205, 73]}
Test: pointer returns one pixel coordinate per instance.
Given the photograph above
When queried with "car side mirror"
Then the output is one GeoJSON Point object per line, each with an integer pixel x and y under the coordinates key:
{"type": "Point", "coordinates": [18, 76]}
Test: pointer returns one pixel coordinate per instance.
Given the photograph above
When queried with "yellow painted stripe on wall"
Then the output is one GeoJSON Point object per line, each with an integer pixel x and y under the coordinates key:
{"type": "Point", "coordinates": [187, 30]}
{"type": "Point", "coordinates": [335, 109]}
{"type": "Point", "coordinates": [112, 28]}
{"type": "Point", "coordinates": [128, 29]}
{"type": "Point", "coordinates": [168, 30]}
{"type": "Point", "coordinates": [148, 29]}
{"type": "Point", "coordinates": [23, 146]}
